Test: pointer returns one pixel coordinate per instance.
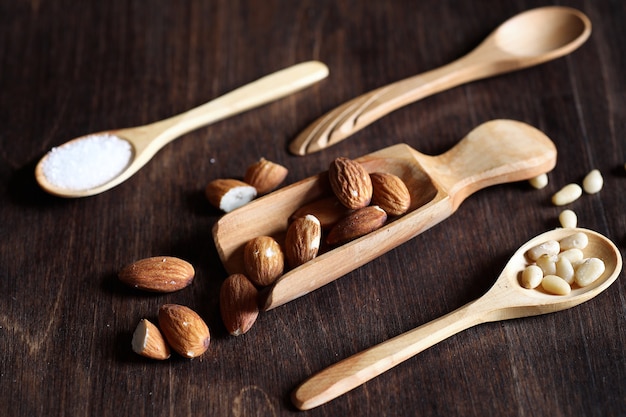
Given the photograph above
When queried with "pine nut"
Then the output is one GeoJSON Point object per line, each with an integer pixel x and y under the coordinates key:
{"type": "Point", "coordinates": [555, 285]}
{"type": "Point", "coordinates": [576, 241]}
{"type": "Point", "coordinates": [551, 247]}
{"type": "Point", "coordinates": [574, 256]}
{"type": "Point", "coordinates": [531, 277]}
{"type": "Point", "coordinates": [568, 219]}
{"type": "Point", "coordinates": [567, 194]}
{"type": "Point", "coordinates": [539, 182]}
{"type": "Point", "coordinates": [590, 270]}
{"type": "Point", "coordinates": [593, 182]}
{"type": "Point", "coordinates": [547, 263]}
{"type": "Point", "coordinates": [565, 270]}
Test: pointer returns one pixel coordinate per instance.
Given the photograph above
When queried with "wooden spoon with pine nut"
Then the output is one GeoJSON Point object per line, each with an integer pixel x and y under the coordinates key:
{"type": "Point", "coordinates": [506, 299]}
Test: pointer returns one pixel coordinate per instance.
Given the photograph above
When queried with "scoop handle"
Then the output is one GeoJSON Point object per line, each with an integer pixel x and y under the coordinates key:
{"type": "Point", "coordinates": [496, 152]}
{"type": "Point", "coordinates": [359, 368]}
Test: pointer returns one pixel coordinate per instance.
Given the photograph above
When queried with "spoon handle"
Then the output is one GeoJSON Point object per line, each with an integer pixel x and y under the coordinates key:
{"type": "Point", "coordinates": [264, 90]}
{"type": "Point", "coordinates": [351, 372]}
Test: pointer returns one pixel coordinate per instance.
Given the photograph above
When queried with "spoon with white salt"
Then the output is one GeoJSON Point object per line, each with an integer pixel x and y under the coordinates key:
{"type": "Point", "coordinates": [95, 163]}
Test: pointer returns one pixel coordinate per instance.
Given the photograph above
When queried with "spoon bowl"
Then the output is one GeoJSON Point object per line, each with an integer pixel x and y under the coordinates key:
{"type": "Point", "coordinates": [495, 152]}
{"type": "Point", "coordinates": [146, 141]}
{"type": "Point", "coordinates": [527, 39]}
{"type": "Point", "coordinates": [506, 299]}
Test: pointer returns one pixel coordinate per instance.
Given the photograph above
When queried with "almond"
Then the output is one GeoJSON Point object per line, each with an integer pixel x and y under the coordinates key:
{"type": "Point", "coordinates": [264, 260]}
{"type": "Point", "coordinates": [158, 274]}
{"type": "Point", "coordinates": [357, 224]}
{"type": "Point", "coordinates": [303, 240]}
{"type": "Point", "coordinates": [228, 194]}
{"type": "Point", "coordinates": [390, 193]}
{"type": "Point", "coordinates": [238, 304]}
{"type": "Point", "coordinates": [184, 330]}
{"type": "Point", "coordinates": [149, 342]}
{"type": "Point", "coordinates": [350, 182]}
{"type": "Point", "coordinates": [265, 175]}
{"type": "Point", "coordinates": [328, 211]}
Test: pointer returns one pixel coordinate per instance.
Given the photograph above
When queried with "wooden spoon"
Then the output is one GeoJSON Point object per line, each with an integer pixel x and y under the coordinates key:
{"type": "Point", "coordinates": [506, 299]}
{"type": "Point", "coordinates": [147, 140]}
{"type": "Point", "coordinates": [530, 38]}
{"type": "Point", "coordinates": [495, 152]}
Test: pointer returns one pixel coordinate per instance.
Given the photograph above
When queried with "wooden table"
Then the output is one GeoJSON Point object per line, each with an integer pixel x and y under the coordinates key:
{"type": "Point", "coordinates": [68, 68]}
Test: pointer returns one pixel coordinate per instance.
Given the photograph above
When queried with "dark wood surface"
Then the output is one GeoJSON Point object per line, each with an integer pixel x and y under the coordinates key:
{"type": "Point", "coordinates": [68, 68]}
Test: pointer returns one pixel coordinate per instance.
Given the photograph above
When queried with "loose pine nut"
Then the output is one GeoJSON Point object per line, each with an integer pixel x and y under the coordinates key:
{"type": "Point", "coordinates": [567, 194]}
{"type": "Point", "coordinates": [531, 277]}
{"type": "Point", "coordinates": [593, 182]}
{"type": "Point", "coordinates": [575, 241]}
{"type": "Point", "coordinates": [568, 219]}
{"type": "Point", "coordinates": [555, 285]}
{"type": "Point", "coordinates": [590, 270]}
{"type": "Point", "coordinates": [551, 247]}
{"type": "Point", "coordinates": [539, 182]}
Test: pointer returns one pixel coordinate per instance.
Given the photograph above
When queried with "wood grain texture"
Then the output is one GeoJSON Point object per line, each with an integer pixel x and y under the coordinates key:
{"type": "Point", "coordinates": [70, 68]}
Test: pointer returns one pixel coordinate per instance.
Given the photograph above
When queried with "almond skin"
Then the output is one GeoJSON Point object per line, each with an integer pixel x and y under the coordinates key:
{"type": "Point", "coordinates": [184, 330]}
{"type": "Point", "coordinates": [390, 193]}
{"type": "Point", "coordinates": [264, 260]}
{"type": "Point", "coordinates": [303, 240]}
{"type": "Point", "coordinates": [158, 274]}
{"type": "Point", "coordinates": [350, 182]}
{"type": "Point", "coordinates": [328, 211]}
{"type": "Point", "coordinates": [238, 304]}
{"type": "Point", "coordinates": [265, 175]}
{"type": "Point", "coordinates": [149, 342]}
{"type": "Point", "coordinates": [228, 194]}
{"type": "Point", "coordinates": [357, 224]}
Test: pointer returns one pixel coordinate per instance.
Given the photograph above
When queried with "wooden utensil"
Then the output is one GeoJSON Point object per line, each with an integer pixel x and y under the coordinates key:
{"type": "Point", "coordinates": [506, 299]}
{"type": "Point", "coordinates": [147, 140]}
{"type": "Point", "coordinates": [529, 38]}
{"type": "Point", "coordinates": [495, 152]}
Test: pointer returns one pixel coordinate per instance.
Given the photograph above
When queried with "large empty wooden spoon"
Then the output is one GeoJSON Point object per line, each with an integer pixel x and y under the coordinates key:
{"type": "Point", "coordinates": [506, 299]}
{"type": "Point", "coordinates": [527, 39]}
{"type": "Point", "coordinates": [495, 152]}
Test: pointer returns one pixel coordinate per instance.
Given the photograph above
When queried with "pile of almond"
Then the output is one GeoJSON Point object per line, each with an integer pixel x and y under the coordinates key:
{"type": "Point", "coordinates": [361, 203]}
{"type": "Point", "coordinates": [181, 328]}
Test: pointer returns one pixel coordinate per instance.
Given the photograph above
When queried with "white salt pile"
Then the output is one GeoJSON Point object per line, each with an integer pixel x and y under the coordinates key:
{"type": "Point", "coordinates": [87, 162]}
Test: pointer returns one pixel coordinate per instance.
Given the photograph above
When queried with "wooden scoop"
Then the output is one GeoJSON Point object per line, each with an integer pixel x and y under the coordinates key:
{"type": "Point", "coordinates": [495, 152]}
